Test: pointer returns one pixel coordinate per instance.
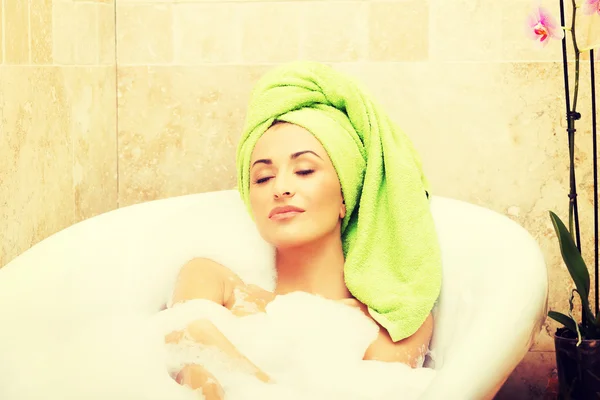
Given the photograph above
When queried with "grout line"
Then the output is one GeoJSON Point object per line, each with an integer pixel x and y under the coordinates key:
{"type": "Point", "coordinates": [30, 44]}
{"type": "Point", "coordinates": [366, 35]}
{"type": "Point", "coordinates": [300, 20]}
{"type": "Point", "coordinates": [116, 105]}
{"type": "Point", "coordinates": [241, 1]}
{"type": "Point", "coordinates": [60, 65]}
{"type": "Point", "coordinates": [3, 31]}
{"type": "Point", "coordinates": [430, 32]}
{"type": "Point", "coordinates": [98, 39]}
{"type": "Point", "coordinates": [73, 187]}
{"type": "Point", "coordinates": [367, 61]}
{"type": "Point", "coordinates": [174, 49]}
{"type": "Point", "coordinates": [275, 63]}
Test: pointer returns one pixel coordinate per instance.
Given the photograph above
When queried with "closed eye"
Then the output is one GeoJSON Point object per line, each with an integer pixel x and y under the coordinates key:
{"type": "Point", "coordinates": [262, 180]}
{"type": "Point", "coordinates": [303, 172]}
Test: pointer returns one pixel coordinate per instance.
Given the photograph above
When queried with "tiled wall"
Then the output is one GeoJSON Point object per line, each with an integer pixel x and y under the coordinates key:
{"type": "Point", "coordinates": [58, 117]}
{"type": "Point", "coordinates": [483, 106]}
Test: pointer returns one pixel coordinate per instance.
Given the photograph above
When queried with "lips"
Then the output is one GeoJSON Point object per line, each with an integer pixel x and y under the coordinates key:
{"type": "Point", "coordinates": [284, 212]}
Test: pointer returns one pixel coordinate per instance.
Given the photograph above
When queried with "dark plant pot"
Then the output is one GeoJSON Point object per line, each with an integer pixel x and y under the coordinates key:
{"type": "Point", "coordinates": [578, 366]}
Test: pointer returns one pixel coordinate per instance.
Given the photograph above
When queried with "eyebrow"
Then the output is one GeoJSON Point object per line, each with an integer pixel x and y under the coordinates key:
{"type": "Point", "coordinates": [293, 156]}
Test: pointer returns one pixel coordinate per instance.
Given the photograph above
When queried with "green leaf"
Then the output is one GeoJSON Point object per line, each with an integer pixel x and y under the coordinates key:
{"type": "Point", "coordinates": [587, 330]}
{"type": "Point", "coordinates": [573, 260]}
{"type": "Point", "coordinates": [563, 319]}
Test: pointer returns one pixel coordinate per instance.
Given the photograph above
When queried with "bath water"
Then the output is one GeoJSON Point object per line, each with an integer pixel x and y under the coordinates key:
{"type": "Point", "coordinates": [311, 347]}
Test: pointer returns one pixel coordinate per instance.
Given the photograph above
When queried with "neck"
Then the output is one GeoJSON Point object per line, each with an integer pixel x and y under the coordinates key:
{"type": "Point", "coordinates": [316, 268]}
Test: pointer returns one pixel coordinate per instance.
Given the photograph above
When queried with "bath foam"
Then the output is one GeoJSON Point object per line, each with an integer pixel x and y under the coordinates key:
{"type": "Point", "coordinates": [311, 347]}
{"type": "Point", "coordinates": [114, 357]}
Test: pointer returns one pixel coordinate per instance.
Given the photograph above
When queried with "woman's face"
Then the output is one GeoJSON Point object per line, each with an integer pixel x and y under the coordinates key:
{"type": "Point", "coordinates": [295, 194]}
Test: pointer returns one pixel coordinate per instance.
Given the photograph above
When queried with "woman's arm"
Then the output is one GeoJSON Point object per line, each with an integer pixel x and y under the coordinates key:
{"type": "Point", "coordinates": [202, 278]}
{"type": "Point", "coordinates": [206, 333]}
{"type": "Point", "coordinates": [409, 351]}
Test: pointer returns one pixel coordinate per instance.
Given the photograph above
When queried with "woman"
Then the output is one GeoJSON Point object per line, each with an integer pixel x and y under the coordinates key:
{"type": "Point", "coordinates": [315, 151]}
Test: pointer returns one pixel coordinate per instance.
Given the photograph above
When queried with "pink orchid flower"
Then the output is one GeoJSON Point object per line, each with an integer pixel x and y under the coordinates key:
{"type": "Point", "coordinates": [591, 7]}
{"type": "Point", "coordinates": [541, 26]}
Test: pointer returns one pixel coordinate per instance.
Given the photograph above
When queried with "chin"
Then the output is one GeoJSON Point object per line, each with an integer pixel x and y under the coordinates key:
{"type": "Point", "coordinates": [295, 236]}
{"type": "Point", "coordinates": [288, 241]}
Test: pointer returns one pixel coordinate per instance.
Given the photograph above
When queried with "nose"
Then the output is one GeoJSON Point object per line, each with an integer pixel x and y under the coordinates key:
{"type": "Point", "coordinates": [282, 188]}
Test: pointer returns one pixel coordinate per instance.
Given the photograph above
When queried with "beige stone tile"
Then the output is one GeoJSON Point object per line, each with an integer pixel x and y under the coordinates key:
{"type": "Point", "coordinates": [334, 31]}
{"type": "Point", "coordinates": [545, 340]}
{"type": "Point", "coordinates": [500, 152]}
{"type": "Point", "coordinates": [588, 31]}
{"type": "Point", "coordinates": [106, 33]}
{"type": "Point", "coordinates": [1, 35]}
{"type": "Point", "coordinates": [179, 127]}
{"type": "Point", "coordinates": [75, 33]}
{"type": "Point", "coordinates": [35, 158]}
{"type": "Point", "coordinates": [144, 33]}
{"type": "Point", "coordinates": [16, 32]}
{"type": "Point", "coordinates": [271, 31]}
{"type": "Point", "coordinates": [544, 99]}
{"type": "Point", "coordinates": [90, 94]}
{"type": "Point", "coordinates": [41, 31]}
{"type": "Point", "coordinates": [465, 30]}
{"type": "Point", "coordinates": [588, 35]}
{"type": "Point", "coordinates": [208, 32]}
{"type": "Point", "coordinates": [536, 112]}
{"type": "Point", "coordinates": [530, 379]}
{"type": "Point", "coordinates": [399, 31]}
{"type": "Point", "coordinates": [439, 106]}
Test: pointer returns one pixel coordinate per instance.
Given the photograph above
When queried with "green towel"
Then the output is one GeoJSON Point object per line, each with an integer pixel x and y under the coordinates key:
{"type": "Point", "coordinates": [393, 259]}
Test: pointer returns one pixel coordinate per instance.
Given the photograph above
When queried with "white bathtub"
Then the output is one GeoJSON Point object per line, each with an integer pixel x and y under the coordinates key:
{"type": "Point", "coordinates": [493, 300]}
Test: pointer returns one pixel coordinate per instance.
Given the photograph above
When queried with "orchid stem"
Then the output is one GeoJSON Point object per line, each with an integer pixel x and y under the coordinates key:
{"type": "Point", "coordinates": [573, 116]}
{"type": "Point", "coordinates": [571, 125]}
{"type": "Point", "coordinates": [577, 54]}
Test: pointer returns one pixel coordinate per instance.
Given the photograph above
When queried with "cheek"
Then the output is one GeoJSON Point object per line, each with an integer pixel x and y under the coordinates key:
{"type": "Point", "coordinates": [328, 197]}
{"type": "Point", "coordinates": [259, 208]}
{"type": "Point", "coordinates": [255, 202]}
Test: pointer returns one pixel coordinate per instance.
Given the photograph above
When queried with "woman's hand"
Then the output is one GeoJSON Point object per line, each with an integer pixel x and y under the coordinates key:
{"type": "Point", "coordinates": [197, 377]}
{"type": "Point", "coordinates": [204, 332]}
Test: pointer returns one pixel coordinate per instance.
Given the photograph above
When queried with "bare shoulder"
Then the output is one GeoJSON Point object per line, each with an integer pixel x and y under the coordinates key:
{"type": "Point", "coordinates": [410, 351]}
{"type": "Point", "coordinates": [202, 278]}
